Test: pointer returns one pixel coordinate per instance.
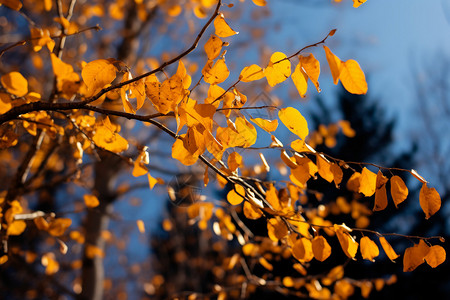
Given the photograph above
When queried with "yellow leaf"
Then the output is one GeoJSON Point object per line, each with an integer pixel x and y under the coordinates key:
{"type": "Point", "coordinates": [347, 130]}
{"type": "Point", "coordinates": [3, 259]}
{"type": "Point", "coordinates": [399, 191]}
{"type": "Point", "coordinates": [302, 250]}
{"type": "Point", "coordinates": [13, 4]}
{"type": "Point", "coordinates": [369, 250]}
{"type": "Point", "coordinates": [222, 29]}
{"type": "Point", "coordinates": [311, 67]}
{"type": "Point", "coordinates": [58, 226]}
{"type": "Point", "coordinates": [251, 211]}
{"type": "Point", "coordinates": [344, 289]}
{"type": "Point", "coordinates": [139, 168]}
{"type": "Point", "coordinates": [353, 78]}
{"type": "Point", "coordinates": [338, 175]}
{"type": "Point", "coordinates": [5, 103]}
{"type": "Point", "coordinates": [15, 84]}
{"type": "Point", "coordinates": [348, 244]}
{"type": "Point", "coordinates": [278, 70]}
{"type": "Point", "coordinates": [367, 183]}
{"type": "Point", "coordinates": [380, 192]}
{"type": "Point", "coordinates": [213, 47]}
{"type": "Point", "coordinates": [267, 125]}
{"type": "Point", "coordinates": [300, 80]}
{"type": "Point", "coordinates": [98, 73]}
{"type": "Point", "coordinates": [321, 248]}
{"type": "Point", "coordinates": [106, 137]}
{"type": "Point", "coordinates": [294, 121]}
{"type": "Point", "coordinates": [436, 256]}
{"type": "Point", "coordinates": [357, 3]}
{"type": "Point", "coordinates": [217, 73]}
{"type": "Point", "coordinates": [50, 264]}
{"type": "Point", "coordinates": [41, 223]}
{"type": "Point", "coordinates": [353, 182]}
{"type": "Point", "coordinates": [287, 160]}
{"type": "Point", "coordinates": [415, 256]}
{"type": "Point", "coordinates": [324, 167]}
{"type": "Point", "coordinates": [16, 227]}
{"type": "Point", "coordinates": [430, 201]}
{"type": "Point", "coordinates": [260, 2]}
{"type": "Point", "coordinates": [366, 288]}
{"type": "Point", "coordinates": [141, 226]}
{"type": "Point", "coordinates": [236, 195]}
{"type": "Point", "coordinates": [151, 181]}
{"type": "Point", "coordinates": [335, 64]}
{"type": "Point", "coordinates": [167, 95]}
{"type": "Point", "coordinates": [276, 229]}
{"type": "Point", "coordinates": [234, 161]}
{"type": "Point", "coordinates": [335, 274]}
{"type": "Point", "coordinates": [251, 73]}
{"type": "Point", "coordinates": [182, 154]}
{"type": "Point", "coordinates": [388, 249]}
{"type": "Point", "coordinates": [265, 264]}
{"type": "Point", "coordinates": [247, 132]}
{"type": "Point", "coordinates": [91, 201]}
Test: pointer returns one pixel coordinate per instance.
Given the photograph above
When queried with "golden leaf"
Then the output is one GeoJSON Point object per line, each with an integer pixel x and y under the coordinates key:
{"type": "Point", "coordinates": [415, 256]}
{"type": "Point", "coordinates": [302, 250]}
{"type": "Point", "coordinates": [321, 248]}
{"type": "Point", "coordinates": [369, 250]}
{"type": "Point", "coordinates": [58, 226]}
{"type": "Point", "coordinates": [15, 84]}
{"type": "Point", "coordinates": [215, 73]}
{"type": "Point", "coordinates": [352, 77]}
{"type": "Point", "coordinates": [276, 229]}
{"type": "Point", "coordinates": [13, 4]}
{"type": "Point", "coordinates": [300, 80]}
{"type": "Point", "coordinates": [278, 70]}
{"type": "Point", "coordinates": [182, 154]}
{"type": "Point", "coordinates": [380, 192]}
{"type": "Point", "coordinates": [251, 73]}
{"type": "Point", "coordinates": [294, 121]}
{"type": "Point", "coordinates": [213, 47]}
{"type": "Point", "coordinates": [222, 29]}
{"type": "Point", "coordinates": [251, 211]}
{"type": "Point", "coordinates": [367, 182]}
{"type": "Point", "coordinates": [267, 125]}
{"type": "Point", "coordinates": [324, 167]}
{"type": "Point", "coordinates": [98, 73]}
{"type": "Point", "coordinates": [357, 3]}
{"type": "Point", "coordinates": [388, 249]}
{"type": "Point", "coordinates": [16, 227]}
{"type": "Point", "coordinates": [335, 64]}
{"type": "Point", "coordinates": [141, 226]}
{"type": "Point", "coordinates": [260, 2]}
{"type": "Point", "coordinates": [430, 201]}
{"type": "Point", "coordinates": [348, 244]}
{"type": "Point", "coordinates": [234, 161]}
{"type": "Point", "coordinates": [236, 195]}
{"type": "Point", "coordinates": [399, 191]}
{"type": "Point", "coordinates": [151, 181]}
{"type": "Point", "coordinates": [311, 67]}
{"type": "Point", "coordinates": [436, 256]}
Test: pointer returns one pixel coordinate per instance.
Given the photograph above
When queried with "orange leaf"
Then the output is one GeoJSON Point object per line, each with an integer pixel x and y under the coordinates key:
{"type": "Point", "coordinates": [222, 29]}
{"type": "Point", "coordinates": [320, 247]}
{"type": "Point", "coordinates": [97, 74]}
{"type": "Point", "coordinates": [324, 167]}
{"type": "Point", "coordinates": [15, 84]}
{"type": "Point", "coordinates": [215, 73]}
{"type": "Point", "coordinates": [234, 161]}
{"type": "Point", "coordinates": [91, 201]}
{"type": "Point", "coordinates": [338, 175]}
{"type": "Point", "coordinates": [265, 264]}
{"type": "Point", "coordinates": [236, 196]}
{"type": "Point", "coordinates": [182, 154]}
{"type": "Point", "coordinates": [16, 227]}
{"type": "Point", "coordinates": [399, 191]}
{"type": "Point", "coordinates": [390, 252]}
{"type": "Point", "coordinates": [260, 2]}
{"type": "Point", "coordinates": [58, 226]}
{"type": "Point", "coordinates": [213, 47]}
{"type": "Point", "coordinates": [251, 211]}
{"type": "Point", "coordinates": [276, 229]}
{"type": "Point", "coordinates": [300, 80]}
{"type": "Point", "coordinates": [294, 121]}
{"type": "Point", "coordinates": [430, 201]}
{"type": "Point", "coordinates": [247, 132]}
{"type": "Point", "coordinates": [311, 67]}
{"type": "Point", "coordinates": [278, 69]}
{"type": "Point", "coordinates": [344, 289]}
{"type": "Point", "coordinates": [13, 4]}
{"type": "Point", "coordinates": [368, 182]}
{"type": "Point", "coordinates": [267, 125]}
{"type": "Point", "coordinates": [151, 181]}
{"type": "Point", "coordinates": [380, 192]}
{"type": "Point", "coordinates": [357, 3]}
{"type": "Point", "coordinates": [335, 64]}
{"type": "Point", "coordinates": [348, 244]}
{"type": "Point", "coordinates": [369, 250]}
{"type": "Point", "coordinates": [415, 256]}
{"type": "Point", "coordinates": [302, 250]}
{"type": "Point", "coordinates": [251, 73]}
{"type": "Point", "coordinates": [141, 226]}
{"type": "Point", "coordinates": [353, 78]}
{"type": "Point", "coordinates": [435, 256]}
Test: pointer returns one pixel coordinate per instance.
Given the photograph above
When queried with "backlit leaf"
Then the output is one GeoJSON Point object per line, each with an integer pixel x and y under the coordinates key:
{"type": "Point", "coordinates": [276, 229]}
{"type": "Point", "coordinates": [151, 181]}
{"type": "Point", "coordinates": [338, 175]}
{"type": "Point", "coordinates": [369, 250]}
{"type": "Point", "coordinates": [278, 70]}
{"type": "Point", "coordinates": [15, 84]}
{"type": "Point", "coordinates": [234, 161]}
{"type": "Point", "coordinates": [213, 47]}
{"type": "Point", "coordinates": [324, 167]}
{"type": "Point", "coordinates": [415, 256]}
{"type": "Point", "coordinates": [320, 247]}
{"type": "Point", "coordinates": [222, 29]}
{"type": "Point", "coordinates": [436, 256]}
{"type": "Point", "coordinates": [380, 192]}
{"type": "Point", "coordinates": [141, 226]}
{"type": "Point", "coordinates": [300, 80]}
{"type": "Point", "coordinates": [368, 181]}
{"type": "Point", "coordinates": [98, 73]}
{"type": "Point", "coordinates": [311, 67]}
{"type": "Point", "coordinates": [58, 226]}
{"type": "Point", "coordinates": [390, 252]}
{"type": "Point", "coordinates": [265, 264]}
{"type": "Point", "coordinates": [357, 3]}
{"type": "Point", "coordinates": [430, 201]}
{"type": "Point", "coordinates": [247, 132]}
{"type": "Point", "coordinates": [106, 137]}
{"type": "Point", "coordinates": [335, 64]}
{"type": "Point", "coordinates": [13, 4]}
{"type": "Point", "coordinates": [215, 73]}
{"type": "Point", "coordinates": [348, 244]}
{"type": "Point", "coordinates": [294, 121]}
{"type": "Point", "coordinates": [236, 195]}
{"type": "Point", "coordinates": [251, 211]}
{"type": "Point", "coordinates": [352, 77]}
{"type": "Point", "coordinates": [260, 2]}
{"type": "Point", "coordinates": [399, 191]}
{"type": "Point", "coordinates": [182, 154]}
{"type": "Point", "coordinates": [267, 125]}
{"type": "Point", "coordinates": [302, 249]}
{"type": "Point", "coordinates": [91, 201]}
{"type": "Point", "coordinates": [167, 95]}
{"type": "Point", "coordinates": [16, 227]}
{"type": "Point", "coordinates": [251, 73]}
